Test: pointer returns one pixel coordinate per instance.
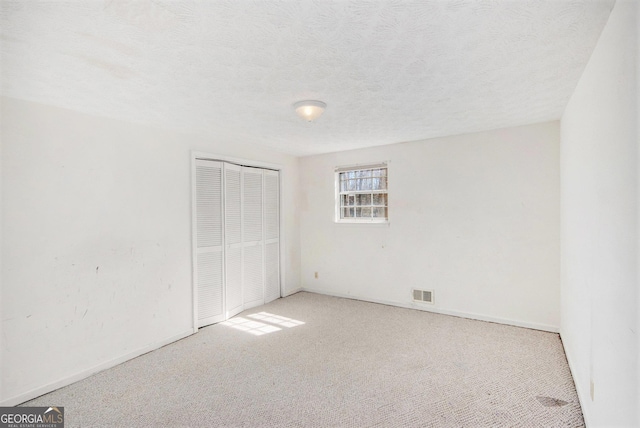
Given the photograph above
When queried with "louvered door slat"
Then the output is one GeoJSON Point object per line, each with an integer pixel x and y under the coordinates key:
{"type": "Point", "coordinates": [233, 201]}
{"type": "Point", "coordinates": [252, 205]}
{"type": "Point", "coordinates": [233, 238]}
{"type": "Point", "coordinates": [271, 205]}
{"type": "Point", "coordinates": [210, 297]}
{"type": "Point", "coordinates": [272, 235]}
{"type": "Point", "coordinates": [272, 271]}
{"type": "Point", "coordinates": [252, 239]}
{"type": "Point", "coordinates": [252, 271]}
{"type": "Point", "coordinates": [233, 258]}
{"type": "Point", "coordinates": [209, 273]}
{"type": "Point", "coordinates": [209, 203]}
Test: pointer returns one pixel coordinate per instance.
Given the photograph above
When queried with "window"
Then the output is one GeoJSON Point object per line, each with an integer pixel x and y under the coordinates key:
{"type": "Point", "coordinates": [361, 194]}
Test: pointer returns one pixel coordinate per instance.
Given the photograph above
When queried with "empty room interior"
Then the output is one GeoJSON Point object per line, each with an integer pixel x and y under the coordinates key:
{"type": "Point", "coordinates": [321, 213]}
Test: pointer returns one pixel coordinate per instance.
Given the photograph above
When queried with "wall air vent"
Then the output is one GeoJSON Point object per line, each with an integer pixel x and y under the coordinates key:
{"type": "Point", "coordinates": [424, 296]}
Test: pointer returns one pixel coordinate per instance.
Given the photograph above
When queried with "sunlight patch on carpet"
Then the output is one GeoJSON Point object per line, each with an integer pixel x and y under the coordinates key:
{"type": "Point", "coordinates": [276, 319]}
{"type": "Point", "coordinates": [268, 323]}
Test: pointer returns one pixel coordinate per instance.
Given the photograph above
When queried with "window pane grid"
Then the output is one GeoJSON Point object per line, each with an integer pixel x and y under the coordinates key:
{"type": "Point", "coordinates": [367, 192]}
{"type": "Point", "coordinates": [362, 194]}
{"type": "Point", "coordinates": [358, 184]}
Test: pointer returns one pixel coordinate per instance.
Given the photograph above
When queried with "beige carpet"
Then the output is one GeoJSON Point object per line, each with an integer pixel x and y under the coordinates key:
{"type": "Point", "coordinates": [323, 362]}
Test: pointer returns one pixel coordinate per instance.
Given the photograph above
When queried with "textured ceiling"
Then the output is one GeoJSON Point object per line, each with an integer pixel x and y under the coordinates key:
{"type": "Point", "coordinates": [390, 71]}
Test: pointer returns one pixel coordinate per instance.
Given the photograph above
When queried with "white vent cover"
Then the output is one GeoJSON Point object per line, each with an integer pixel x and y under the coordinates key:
{"type": "Point", "coordinates": [425, 296]}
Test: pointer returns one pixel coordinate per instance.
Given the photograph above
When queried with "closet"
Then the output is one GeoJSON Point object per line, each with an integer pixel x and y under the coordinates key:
{"type": "Point", "coordinates": [236, 239]}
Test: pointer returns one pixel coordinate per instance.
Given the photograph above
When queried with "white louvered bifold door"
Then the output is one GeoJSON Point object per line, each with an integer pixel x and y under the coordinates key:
{"type": "Point", "coordinates": [209, 273]}
{"type": "Point", "coordinates": [233, 238]}
{"type": "Point", "coordinates": [252, 237]}
{"type": "Point", "coordinates": [271, 235]}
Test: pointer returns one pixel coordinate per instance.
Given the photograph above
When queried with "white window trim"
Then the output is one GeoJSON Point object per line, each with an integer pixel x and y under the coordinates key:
{"type": "Point", "coordinates": [373, 220]}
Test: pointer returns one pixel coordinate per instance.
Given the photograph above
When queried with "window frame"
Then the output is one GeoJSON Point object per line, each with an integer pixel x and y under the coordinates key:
{"type": "Point", "coordinates": [338, 194]}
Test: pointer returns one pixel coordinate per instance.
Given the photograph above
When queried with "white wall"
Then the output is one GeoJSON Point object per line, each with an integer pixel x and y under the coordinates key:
{"type": "Point", "coordinates": [96, 249]}
{"type": "Point", "coordinates": [599, 218]}
{"type": "Point", "coordinates": [474, 217]}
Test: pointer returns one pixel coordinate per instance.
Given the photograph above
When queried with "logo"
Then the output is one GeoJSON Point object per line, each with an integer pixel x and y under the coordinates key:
{"type": "Point", "coordinates": [31, 417]}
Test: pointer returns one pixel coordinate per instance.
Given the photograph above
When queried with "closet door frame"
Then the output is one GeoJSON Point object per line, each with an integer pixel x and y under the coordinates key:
{"type": "Point", "coordinates": [195, 155]}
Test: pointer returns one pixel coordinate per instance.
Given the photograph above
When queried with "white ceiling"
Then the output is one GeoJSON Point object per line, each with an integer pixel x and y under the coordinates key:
{"type": "Point", "coordinates": [390, 71]}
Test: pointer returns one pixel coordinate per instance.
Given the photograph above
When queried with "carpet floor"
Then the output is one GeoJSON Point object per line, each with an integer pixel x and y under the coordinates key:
{"type": "Point", "coordinates": [310, 360]}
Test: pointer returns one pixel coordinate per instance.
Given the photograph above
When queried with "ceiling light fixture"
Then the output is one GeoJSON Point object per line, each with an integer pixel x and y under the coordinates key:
{"type": "Point", "coordinates": [309, 110]}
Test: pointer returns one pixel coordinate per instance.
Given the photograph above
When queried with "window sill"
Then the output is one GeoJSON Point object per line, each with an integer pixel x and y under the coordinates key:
{"type": "Point", "coordinates": [370, 223]}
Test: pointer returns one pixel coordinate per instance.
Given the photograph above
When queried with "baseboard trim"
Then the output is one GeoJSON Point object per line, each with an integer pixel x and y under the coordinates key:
{"type": "Point", "coordinates": [582, 396]}
{"type": "Point", "coordinates": [37, 392]}
{"type": "Point", "coordinates": [290, 292]}
{"type": "Point", "coordinates": [469, 315]}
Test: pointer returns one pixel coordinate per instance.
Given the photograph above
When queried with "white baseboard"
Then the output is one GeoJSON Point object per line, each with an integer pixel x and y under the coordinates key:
{"type": "Point", "coordinates": [290, 292]}
{"type": "Point", "coordinates": [37, 392]}
{"type": "Point", "coordinates": [479, 317]}
{"type": "Point", "coordinates": [583, 396]}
